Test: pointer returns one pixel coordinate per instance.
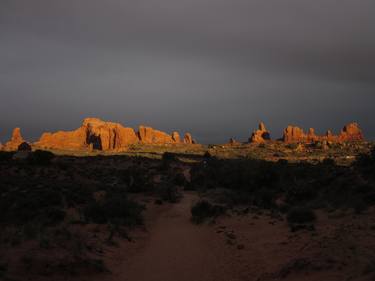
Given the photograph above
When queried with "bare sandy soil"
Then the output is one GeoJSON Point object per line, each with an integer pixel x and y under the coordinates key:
{"type": "Point", "coordinates": [242, 247]}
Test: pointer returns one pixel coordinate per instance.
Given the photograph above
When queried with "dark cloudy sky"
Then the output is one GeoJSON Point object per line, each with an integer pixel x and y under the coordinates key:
{"type": "Point", "coordinates": [211, 67]}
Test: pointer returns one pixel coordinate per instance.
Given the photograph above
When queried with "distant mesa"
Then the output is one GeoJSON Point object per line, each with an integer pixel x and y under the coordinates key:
{"type": "Point", "coordinates": [261, 135]}
{"type": "Point", "coordinates": [106, 136]}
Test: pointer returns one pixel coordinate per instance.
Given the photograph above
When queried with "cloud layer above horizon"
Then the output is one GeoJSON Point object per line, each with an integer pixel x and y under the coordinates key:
{"type": "Point", "coordinates": [211, 67]}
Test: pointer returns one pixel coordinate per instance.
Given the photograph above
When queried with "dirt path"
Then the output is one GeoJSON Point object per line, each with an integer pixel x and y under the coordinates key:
{"type": "Point", "coordinates": [236, 248]}
{"type": "Point", "coordinates": [175, 250]}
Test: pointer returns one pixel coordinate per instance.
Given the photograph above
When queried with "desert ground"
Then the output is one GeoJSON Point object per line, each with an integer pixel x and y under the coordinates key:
{"type": "Point", "coordinates": [220, 212]}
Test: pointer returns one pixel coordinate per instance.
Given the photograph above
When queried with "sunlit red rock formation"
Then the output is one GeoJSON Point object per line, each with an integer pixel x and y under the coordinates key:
{"type": "Point", "coordinates": [176, 137]}
{"type": "Point", "coordinates": [188, 139]}
{"type": "Point", "coordinates": [261, 135]}
{"type": "Point", "coordinates": [311, 136]}
{"type": "Point", "coordinates": [350, 132]}
{"type": "Point", "coordinates": [107, 136]}
{"type": "Point", "coordinates": [294, 134]}
{"type": "Point", "coordinates": [15, 141]}
{"type": "Point", "coordinates": [149, 135]}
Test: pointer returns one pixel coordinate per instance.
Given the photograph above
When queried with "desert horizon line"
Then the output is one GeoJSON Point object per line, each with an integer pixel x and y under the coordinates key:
{"type": "Point", "coordinates": [95, 133]}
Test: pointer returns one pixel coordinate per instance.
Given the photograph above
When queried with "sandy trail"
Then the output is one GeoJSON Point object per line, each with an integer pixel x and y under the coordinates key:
{"type": "Point", "coordinates": [175, 250]}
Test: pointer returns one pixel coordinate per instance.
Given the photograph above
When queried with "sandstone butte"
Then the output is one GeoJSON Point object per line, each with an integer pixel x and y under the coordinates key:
{"type": "Point", "coordinates": [107, 136]}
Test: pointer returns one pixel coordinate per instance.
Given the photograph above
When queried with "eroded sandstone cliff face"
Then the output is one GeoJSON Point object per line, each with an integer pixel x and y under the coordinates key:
{"type": "Point", "coordinates": [96, 134]}
{"type": "Point", "coordinates": [350, 132]}
{"type": "Point", "coordinates": [149, 135]}
{"type": "Point", "coordinates": [107, 136]}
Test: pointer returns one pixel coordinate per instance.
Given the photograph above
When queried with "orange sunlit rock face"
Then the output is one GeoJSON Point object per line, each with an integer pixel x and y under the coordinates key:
{"type": "Point", "coordinates": [350, 132]}
{"type": "Point", "coordinates": [15, 141]}
{"type": "Point", "coordinates": [294, 134]}
{"type": "Point", "coordinates": [149, 135]}
{"type": "Point", "coordinates": [188, 139]}
{"type": "Point", "coordinates": [107, 136]}
{"type": "Point", "coordinates": [261, 135]}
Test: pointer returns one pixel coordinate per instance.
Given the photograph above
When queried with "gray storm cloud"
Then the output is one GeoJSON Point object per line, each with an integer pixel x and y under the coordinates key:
{"type": "Point", "coordinates": [212, 67]}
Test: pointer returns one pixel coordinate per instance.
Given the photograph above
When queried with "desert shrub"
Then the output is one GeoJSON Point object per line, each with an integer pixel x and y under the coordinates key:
{"type": "Point", "coordinates": [328, 162]}
{"type": "Point", "coordinates": [179, 179]}
{"type": "Point", "coordinates": [301, 193]}
{"type": "Point", "coordinates": [169, 157]}
{"type": "Point", "coordinates": [265, 198]}
{"type": "Point", "coordinates": [115, 209]}
{"type": "Point", "coordinates": [43, 206]}
{"type": "Point", "coordinates": [207, 154]}
{"type": "Point", "coordinates": [6, 156]}
{"type": "Point", "coordinates": [203, 210]}
{"type": "Point", "coordinates": [292, 146]}
{"type": "Point", "coordinates": [169, 193]}
{"type": "Point", "coordinates": [42, 157]}
{"type": "Point", "coordinates": [365, 163]}
{"type": "Point", "coordinates": [301, 215]}
{"type": "Point", "coordinates": [136, 179]}
{"type": "Point", "coordinates": [75, 194]}
{"type": "Point", "coordinates": [3, 269]}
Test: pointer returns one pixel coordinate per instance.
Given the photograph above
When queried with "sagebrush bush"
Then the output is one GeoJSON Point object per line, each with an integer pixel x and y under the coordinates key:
{"type": "Point", "coordinates": [41, 157]}
{"type": "Point", "coordinates": [169, 193]}
{"type": "Point", "coordinates": [116, 209]}
{"type": "Point", "coordinates": [203, 210]}
{"type": "Point", "coordinates": [301, 215]}
{"type": "Point", "coordinates": [6, 156]}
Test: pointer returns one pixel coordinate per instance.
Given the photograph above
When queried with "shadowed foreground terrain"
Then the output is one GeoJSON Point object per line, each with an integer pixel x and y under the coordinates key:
{"type": "Point", "coordinates": [239, 212]}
